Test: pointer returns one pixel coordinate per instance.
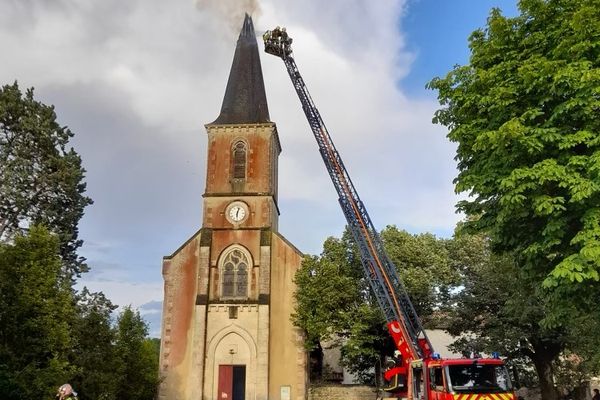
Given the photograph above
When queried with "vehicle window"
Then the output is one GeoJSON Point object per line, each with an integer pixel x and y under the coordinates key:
{"type": "Point", "coordinates": [418, 383]}
{"type": "Point", "coordinates": [436, 378]}
{"type": "Point", "coordinates": [478, 378]}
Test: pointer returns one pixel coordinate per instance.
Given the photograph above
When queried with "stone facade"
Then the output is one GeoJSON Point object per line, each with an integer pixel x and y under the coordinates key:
{"type": "Point", "coordinates": [227, 333]}
{"type": "Point", "coordinates": [202, 328]}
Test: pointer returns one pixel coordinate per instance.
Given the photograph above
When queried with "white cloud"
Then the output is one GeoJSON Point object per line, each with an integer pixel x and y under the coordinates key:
{"type": "Point", "coordinates": [127, 293]}
{"type": "Point", "coordinates": [137, 80]}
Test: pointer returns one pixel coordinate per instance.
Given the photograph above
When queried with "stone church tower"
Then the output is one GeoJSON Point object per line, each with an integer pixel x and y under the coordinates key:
{"type": "Point", "coordinates": [226, 330]}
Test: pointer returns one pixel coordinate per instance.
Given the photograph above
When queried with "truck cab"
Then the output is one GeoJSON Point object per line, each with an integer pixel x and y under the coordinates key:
{"type": "Point", "coordinates": [459, 379]}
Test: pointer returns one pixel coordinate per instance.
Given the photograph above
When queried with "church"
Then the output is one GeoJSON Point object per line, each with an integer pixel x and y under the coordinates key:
{"type": "Point", "coordinates": [229, 290]}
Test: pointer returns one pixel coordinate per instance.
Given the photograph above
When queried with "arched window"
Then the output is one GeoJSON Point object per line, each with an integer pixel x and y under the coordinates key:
{"type": "Point", "coordinates": [234, 272]}
{"type": "Point", "coordinates": [239, 160]}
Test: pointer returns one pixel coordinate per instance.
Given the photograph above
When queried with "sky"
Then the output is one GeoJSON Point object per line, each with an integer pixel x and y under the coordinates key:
{"type": "Point", "coordinates": [136, 80]}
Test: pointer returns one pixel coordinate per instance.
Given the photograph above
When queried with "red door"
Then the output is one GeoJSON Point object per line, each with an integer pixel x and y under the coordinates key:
{"type": "Point", "coordinates": [225, 382]}
{"type": "Point", "coordinates": [232, 382]}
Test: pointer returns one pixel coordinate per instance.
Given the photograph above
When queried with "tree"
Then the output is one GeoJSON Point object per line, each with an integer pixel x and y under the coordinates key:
{"type": "Point", "coordinates": [94, 351]}
{"type": "Point", "coordinates": [424, 267]}
{"type": "Point", "coordinates": [331, 299]}
{"type": "Point", "coordinates": [137, 361]}
{"type": "Point", "coordinates": [49, 333]}
{"type": "Point", "coordinates": [524, 114]}
{"type": "Point", "coordinates": [36, 309]}
{"type": "Point", "coordinates": [499, 309]}
{"type": "Point", "coordinates": [334, 304]}
{"type": "Point", "coordinates": [325, 284]}
{"type": "Point", "coordinates": [580, 362]}
{"type": "Point", "coordinates": [41, 180]}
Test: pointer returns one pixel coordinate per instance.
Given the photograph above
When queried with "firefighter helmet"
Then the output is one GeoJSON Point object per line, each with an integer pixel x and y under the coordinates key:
{"type": "Point", "coordinates": [65, 390]}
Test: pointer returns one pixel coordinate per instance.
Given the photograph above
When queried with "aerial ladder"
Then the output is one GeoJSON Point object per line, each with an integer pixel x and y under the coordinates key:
{"type": "Point", "coordinates": [418, 372]}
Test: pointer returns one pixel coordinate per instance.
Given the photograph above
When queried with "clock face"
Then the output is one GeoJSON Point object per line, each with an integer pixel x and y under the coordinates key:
{"type": "Point", "coordinates": [237, 213]}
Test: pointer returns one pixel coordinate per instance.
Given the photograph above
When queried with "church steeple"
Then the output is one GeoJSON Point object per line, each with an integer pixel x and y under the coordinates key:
{"type": "Point", "coordinates": [229, 288]}
{"type": "Point", "coordinates": [245, 101]}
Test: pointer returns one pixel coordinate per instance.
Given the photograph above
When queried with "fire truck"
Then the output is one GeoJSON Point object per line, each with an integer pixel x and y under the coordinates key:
{"type": "Point", "coordinates": [417, 373]}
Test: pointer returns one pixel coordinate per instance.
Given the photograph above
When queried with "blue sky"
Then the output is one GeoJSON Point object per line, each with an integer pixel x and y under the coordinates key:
{"type": "Point", "coordinates": [437, 32]}
{"type": "Point", "coordinates": [137, 80]}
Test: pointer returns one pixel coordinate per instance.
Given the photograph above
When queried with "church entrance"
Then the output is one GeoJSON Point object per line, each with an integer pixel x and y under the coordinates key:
{"type": "Point", "coordinates": [232, 382]}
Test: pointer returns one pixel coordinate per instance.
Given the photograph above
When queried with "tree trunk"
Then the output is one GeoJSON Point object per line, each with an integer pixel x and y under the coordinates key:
{"type": "Point", "coordinates": [546, 377]}
{"type": "Point", "coordinates": [379, 372]}
{"type": "Point", "coordinates": [316, 364]}
{"type": "Point", "coordinates": [582, 392]}
{"type": "Point", "coordinates": [542, 356]}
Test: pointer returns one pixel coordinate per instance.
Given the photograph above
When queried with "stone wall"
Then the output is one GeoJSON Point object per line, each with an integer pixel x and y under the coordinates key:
{"type": "Point", "coordinates": [287, 356]}
{"type": "Point", "coordinates": [341, 392]}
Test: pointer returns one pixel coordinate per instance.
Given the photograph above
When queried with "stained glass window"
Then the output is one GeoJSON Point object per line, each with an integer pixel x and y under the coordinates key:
{"type": "Point", "coordinates": [235, 274]}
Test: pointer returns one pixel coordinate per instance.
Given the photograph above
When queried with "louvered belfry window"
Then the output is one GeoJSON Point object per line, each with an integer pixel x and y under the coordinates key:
{"type": "Point", "coordinates": [235, 275]}
{"type": "Point", "coordinates": [239, 160]}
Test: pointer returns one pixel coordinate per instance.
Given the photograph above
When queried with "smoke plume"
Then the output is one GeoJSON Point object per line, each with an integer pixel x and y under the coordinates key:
{"type": "Point", "coordinates": [231, 11]}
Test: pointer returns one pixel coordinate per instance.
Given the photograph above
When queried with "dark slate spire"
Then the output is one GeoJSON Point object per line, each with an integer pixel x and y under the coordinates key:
{"type": "Point", "coordinates": [245, 101]}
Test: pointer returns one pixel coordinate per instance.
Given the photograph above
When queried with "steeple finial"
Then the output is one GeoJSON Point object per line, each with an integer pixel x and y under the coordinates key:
{"type": "Point", "coordinates": [245, 101]}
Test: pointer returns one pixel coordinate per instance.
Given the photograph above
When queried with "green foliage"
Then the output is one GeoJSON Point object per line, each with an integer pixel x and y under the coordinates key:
{"type": "Point", "coordinates": [335, 308]}
{"type": "Point", "coordinates": [156, 346]}
{"type": "Point", "coordinates": [137, 360]}
{"type": "Point", "coordinates": [41, 179]}
{"type": "Point", "coordinates": [366, 344]}
{"type": "Point", "coordinates": [524, 114]}
{"type": "Point", "coordinates": [113, 362]}
{"type": "Point", "coordinates": [581, 360]}
{"type": "Point", "coordinates": [423, 266]}
{"type": "Point", "coordinates": [49, 334]}
{"type": "Point", "coordinates": [94, 351]}
{"type": "Point", "coordinates": [36, 310]}
{"type": "Point", "coordinates": [334, 304]}
{"type": "Point", "coordinates": [501, 308]}
{"type": "Point", "coordinates": [328, 295]}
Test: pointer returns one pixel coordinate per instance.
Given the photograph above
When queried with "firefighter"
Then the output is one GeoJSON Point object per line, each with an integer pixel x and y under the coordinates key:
{"type": "Point", "coordinates": [66, 392]}
{"type": "Point", "coordinates": [397, 358]}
